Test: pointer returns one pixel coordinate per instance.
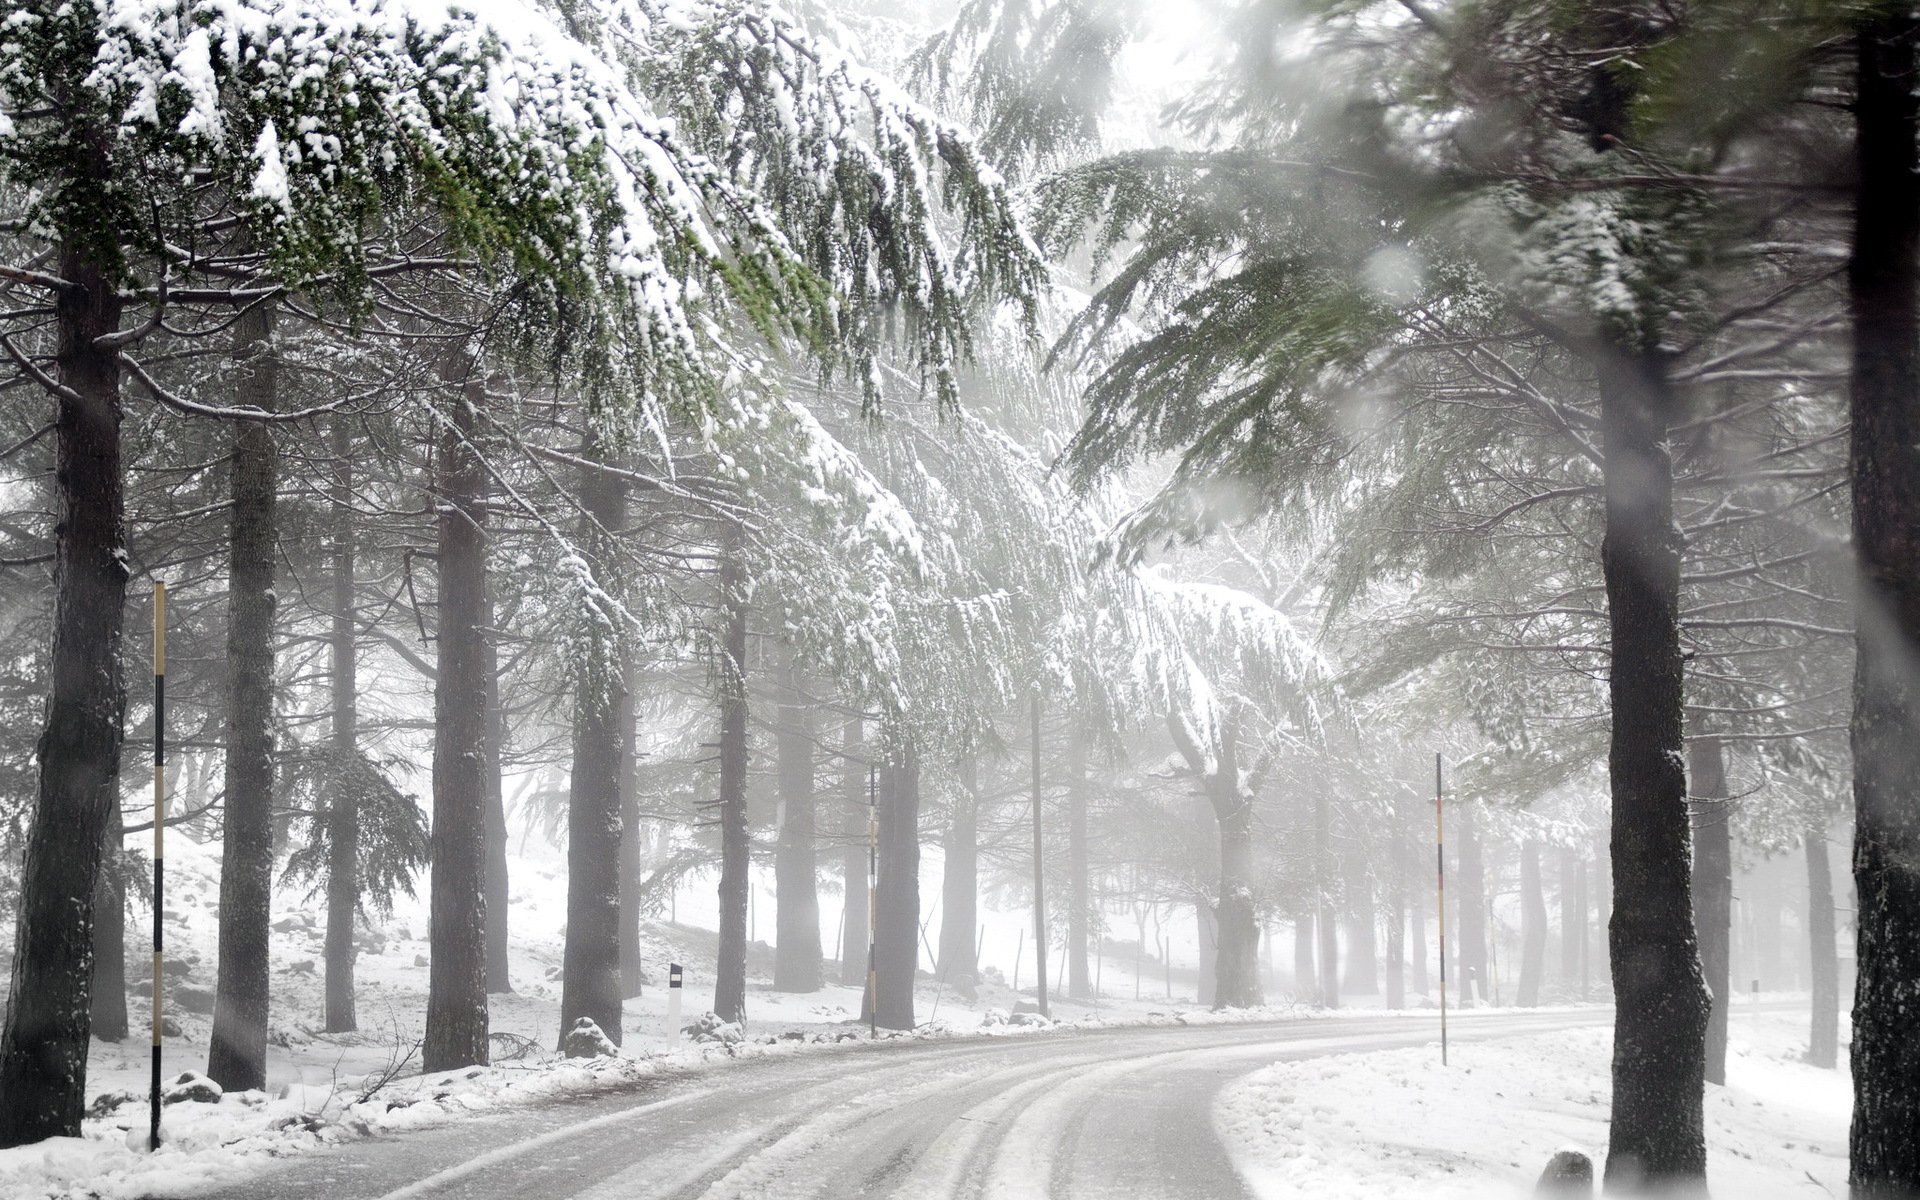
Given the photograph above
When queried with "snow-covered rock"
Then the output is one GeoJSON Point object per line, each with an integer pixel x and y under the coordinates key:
{"type": "Point", "coordinates": [587, 1040]}
{"type": "Point", "coordinates": [190, 1087]}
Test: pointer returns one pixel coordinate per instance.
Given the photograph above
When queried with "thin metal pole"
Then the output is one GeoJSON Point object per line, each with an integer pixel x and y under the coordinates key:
{"type": "Point", "coordinates": [1440, 859]}
{"type": "Point", "coordinates": [873, 912]}
{"type": "Point", "coordinates": [159, 846]}
{"type": "Point", "coordinates": [1039, 873]}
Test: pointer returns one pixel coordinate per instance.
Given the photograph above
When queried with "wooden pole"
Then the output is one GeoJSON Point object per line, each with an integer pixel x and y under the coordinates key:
{"type": "Point", "coordinates": [159, 847]}
{"type": "Point", "coordinates": [1440, 858]}
{"type": "Point", "coordinates": [873, 886]}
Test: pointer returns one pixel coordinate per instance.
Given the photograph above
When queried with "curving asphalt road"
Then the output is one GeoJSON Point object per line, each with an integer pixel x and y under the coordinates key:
{"type": "Point", "coordinates": [1123, 1113]}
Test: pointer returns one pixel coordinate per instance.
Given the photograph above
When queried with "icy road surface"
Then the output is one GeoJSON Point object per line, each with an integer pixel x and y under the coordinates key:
{"type": "Point", "coordinates": [1101, 1115]}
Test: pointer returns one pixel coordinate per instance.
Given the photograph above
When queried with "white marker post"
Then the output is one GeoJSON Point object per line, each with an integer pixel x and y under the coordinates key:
{"type": "Point", "coordinates": [673, 1000]}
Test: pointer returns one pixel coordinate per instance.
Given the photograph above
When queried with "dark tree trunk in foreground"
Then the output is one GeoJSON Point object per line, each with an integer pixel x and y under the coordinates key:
{"type": "Point", "coordinates": [1661, 1003]}
{"type": "Point", "coordinates": [1823, 1042]}
{"type": "Point", "coordinates": [237, 1058]}
{"type": "Point", "coordinates": [853, 858]}
{"type": "Point", "coordinates": [1079, 979]}
{"type": "Point", "coordinates": [736, 850]}
{"type": "Point", "coordinates": [498, 885]}
{"type": "Point", "coordinates": [959, 879]}
{"type": "Point", "coordinates": [43, 1049]}
{"type": "Point", "coordinates": [1470, 928]}
{"type": "Point", "coordinates": [342, 802]}
{"type": "Point", "coordinates": [797, 965]}
{"type": "Point", "coordinates": [1325, 921]}
{"type": "Point", "coordinates": [1533, 927]}
{"type": "Point", "coordinates": [590, 961]}
{"type": "Point", "coordinates": [1713, 891]}
{"type": "Point", "coordinates": [1883, 277]}
{"type": "Point", "coordinates": [110, 936]}
{"type": "Point", "coordinates": [633, 975]}
{"type": "Point", "coordinates": [457, 976]}
{"type": "Point", "coordinates": [897, 898]}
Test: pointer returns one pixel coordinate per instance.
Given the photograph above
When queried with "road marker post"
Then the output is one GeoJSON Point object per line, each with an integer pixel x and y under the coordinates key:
{"type": "Point", "coordinates": [873, 898]}
{"type": "Point", "coordinates": [673, 1000]}
{"type": "Point", "coordinates": [159, 848]}
{"type": "Point", "coordinates": [1440, 861]}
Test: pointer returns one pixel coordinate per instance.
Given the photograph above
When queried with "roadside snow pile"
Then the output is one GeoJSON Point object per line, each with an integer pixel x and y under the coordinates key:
{"type": "Point", "coordinates": [1397, 1123]}
{"type": "Point", "coordinates": [587, 1040]}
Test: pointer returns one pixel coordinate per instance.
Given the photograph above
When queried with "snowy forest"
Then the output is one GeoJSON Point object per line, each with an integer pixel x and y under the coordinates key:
{"type": "Point", "coordinates": [965, 598]}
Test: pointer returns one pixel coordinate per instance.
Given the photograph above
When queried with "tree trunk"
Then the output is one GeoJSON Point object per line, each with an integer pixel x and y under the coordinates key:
{"type": "Point", "coordinates": [736, 850]}
{"type": "Point", "coordinates": [853, 859]}
{"type": "Point", "coordinates": [1823, 1044]}
{"type": "Point", "coordinates": [1363, 942]}
{"type": "Point", "coordinates": [590, 961]}
{"type": "Point", "coordinates": [1661, 1003]}
{"type": "Point", "coordinates": [897, 898]}
{"type": "Point", "coordinates": [1713, 891]}
{"type": "Point", "coordinates": [110, 936]}
{"type": "Point", "coordinates": [1236, 926]}
{"type": "Point", "coordinates": [797, 965]}
{"type": "Point", "coordinates": [457, 1016]}
{"type": "Point", "coordinates": [1306, 987]}
{"type": "Point", "coordinates": [498, 885]}
{"type": "Point", "coordinates": [1533, 927]}
{"type": "Point", "coordinates": [1326, 922]}
{"type": "Point", "coordinates": [633, 975]}
{"type": "Point", "coordinates": [1079, 980]}
{"type": "Point", "coordinates": [1470, 928]}
{"type": "Point", "coordinates": [43, 1049]}
{"type": "Point", "coordinates": [342, 799]}
{"type": "Point", "coordinates": [959, 881]}
{"type": "Point", "coordinates": [1396, 912]}
{"type": "Point", "coordinates": [237, 1057]}
{"type": "Point", "coordinates": [1573, 915]}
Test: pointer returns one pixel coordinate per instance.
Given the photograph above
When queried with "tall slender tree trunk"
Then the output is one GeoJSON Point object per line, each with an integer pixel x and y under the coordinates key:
{"type": "Point", "coordinates": [590, 960]}
{"type": "Point", "coordinates": [1533, 926]}
{"type": "Point", "coordinates": [736, 850]}
{"type": "Point", "coordinates": [853, 858]}
{"type": "Point", "coordinates": [1079, 979]}
{"type": "Point", "coordinates": [1823, 1042]}
{"type": "Point", "coordinates": [43, 1048]}
{"type": "Point", "coordinates": [1661, 1003]}
{"type": "Point", "coordinates": [633, 974]}
{"type": "Point", "coordinates": [959, 880]}
{"type": "Point", "coordinates": [342, 799]}
{"type": "Point", "coordinates": [897, 897]}
{"type": "Point", "coordinates": [797, 960]}
{"type": "Point", "coordinates": [1236, 925]}
{"type": "Point", "coordinates": [1713, 890]}
{"type": "Point", "coordinates": [1470, 927]}
{"type": "Point", "coordinates": [1883, 282]}
{"type": "Point", "coordinates": [1573, 915]}
{"type": "Point", "coordinates": [457, 1016]}
{"type": "Point", "coordinates": [1397, 915]}
{"type": "Point", "coordinates": [110, 936]}
{"type": "Point", "coordinates": [1363, 940]}
{"type": "Point", "coordinates": [1326, 921]}
{"type": "Point", "coordinates": [237, 1057]}
{"type": "Point", "coordinates": [498, 885]}
{"type": "Point", "coordinates": [1306, 985]}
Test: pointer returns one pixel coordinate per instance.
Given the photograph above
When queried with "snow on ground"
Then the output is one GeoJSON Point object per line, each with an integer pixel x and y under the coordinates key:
{"type": "Point", "coordinates": [1399, 1124]}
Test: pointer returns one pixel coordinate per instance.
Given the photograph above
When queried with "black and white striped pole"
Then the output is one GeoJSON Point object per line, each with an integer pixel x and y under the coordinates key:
{"type": "Point", "coordinates": [873, 913]}
{"type": "Point", "coordinates": [159, 844]}
{"type": "Point", "coordinates": [673, 999]}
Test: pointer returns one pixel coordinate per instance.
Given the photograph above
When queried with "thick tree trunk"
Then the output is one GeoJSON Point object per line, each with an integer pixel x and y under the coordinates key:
{"type": "Point", "coordinates": [1079, 980]}
{"type": "Point", "coordinates": [1823, 1043]}
{"type": "Point", "coordinates": [1326, 921]}
{"type": "Point", "coordinates": [590, 960]}
{"type": "Point", "coordinates": [736, 850]}
{"type": "Point", "coordinates": [498, 885]}
{"type": "Point", "coordinates": [1236, 926]}
{"type": "Point", "coordinates": [853, 857]}
{"type": "Point", "coordinates": [1661, 1004]}
{"type": "Point", "coordinates": [343, 802]}
{"type": "Point", "coordinates": [43, 1049]}
{"type": "Point", "coordinates": [1470, 927]}
{"type": "Point", "coordinates": [1533, 927]}
{"type": "Point", "coordinates": [633, 975]}
{"type": "Point", "coordinates": [1306, 987]}
{"type": "Point", "coordinates": [959, 880]}
{"type": "Point", "coordinates": [1713, 891]}
{"type": "Point", "coordinates": [457, 1016]}
{"type": "Point", "coordinates": [1884, 296]}
{"type": "Point", "coordinates": [897, 898]}
{"type": "Point", "coordinates": [237, 1057]}
{"type": "Point", "coordinates": [1363, 939]}
{"type": "Point", "coordinates": [110, 936]}
{"type": "Point", "coordinates": [797, 964]}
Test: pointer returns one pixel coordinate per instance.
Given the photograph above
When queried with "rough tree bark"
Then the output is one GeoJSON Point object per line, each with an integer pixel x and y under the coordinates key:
{"type": "Point", "coordinates": [456, 1034]}
{"type": "Point", "coordinates": [590, 959]}
{"type": "Point", "coordinates": [1823, 1042]}
{"type": "Point", "coordinates": [853, 857]}
{"type": "Point", "coordinates": [1079, 979]}
{"type": "Point", "coordinates": [110, 935]}
{"type": "Point", "coordinates": [43, 1048]}
{"type": "Point", "coordinates": [797, 965]}
{"type": "Point", "coordinates": [736, 861]}
{"type": "Point", "coordinates": [1713, 890]}
{"type": "Point", "coordinates": [1883, 279]}
{"type": "Point", "coordinates": [959, 879]}
{"type": "Point", "coordinates": [897, 896]}
{"type": "Point", "coordinates": [1533, 927]}
{"type": "Point", "coordinates": [237, 1057]}
{"type": "Point", "coordinates": [343, 803]}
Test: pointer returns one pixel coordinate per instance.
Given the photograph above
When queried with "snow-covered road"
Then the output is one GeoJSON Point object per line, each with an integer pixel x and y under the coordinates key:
{"type": "Point", "coordinates": [1110, 1113]}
